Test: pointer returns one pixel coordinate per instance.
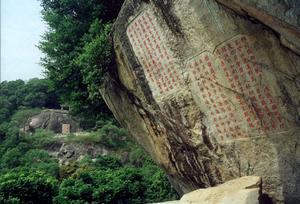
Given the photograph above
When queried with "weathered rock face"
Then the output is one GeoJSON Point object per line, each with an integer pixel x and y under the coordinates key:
{"type": "Point", "coordinates": [52, 120]}
{"type": "Point", "coordinates": [211, 93]}
{"type": "Point", "coordinates": [245, 190]}
{"type": "Point", "coordinates": [283, 16]}
{"type": "Point", "coordinates": [68, 153]}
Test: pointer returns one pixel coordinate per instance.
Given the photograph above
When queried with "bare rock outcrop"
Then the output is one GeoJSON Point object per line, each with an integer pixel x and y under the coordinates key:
{"type": "Point", "coordinates": [52, 119]}
{"type": "Point", "coordinates": [211, 89]}
{"type": "Point", "coordinates": [68, 152]}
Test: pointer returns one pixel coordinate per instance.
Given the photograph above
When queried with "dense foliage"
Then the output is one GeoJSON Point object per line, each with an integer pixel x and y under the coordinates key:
{"type": "Point", "coordinates": [108, 135]}
{"type": "Point", "coordinates": [78, 51]}
{"type": "Point", "coordinates": [36, 93]}
{"type": "Point", "coordinates": [29, 174]}
{"type": "Point", "coordinates": [27, 187]}
{"type": "Point", "coordinates": [106, 180]}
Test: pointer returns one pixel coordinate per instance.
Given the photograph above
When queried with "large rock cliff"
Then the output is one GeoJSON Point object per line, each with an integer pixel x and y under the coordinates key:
{"type": "Point", "coordinates": [211, 89]}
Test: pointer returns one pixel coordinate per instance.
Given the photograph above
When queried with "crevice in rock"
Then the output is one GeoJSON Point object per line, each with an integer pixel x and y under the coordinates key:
{"type": "Point", "coordinates": [206, 138]}
{"type": "Point", "coordinates": [292, 108]}
{"type": "Point", "coordinates": [165, 8]}
{"type": "Point", "coordinates": [284, 30]}
{"type": "Point", "coordinates": [122, 45]}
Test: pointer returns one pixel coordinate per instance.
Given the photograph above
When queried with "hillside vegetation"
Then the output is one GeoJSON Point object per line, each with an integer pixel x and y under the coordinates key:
{"type": "Point", "coordinates": [78, 53]}
{"type": "Point", "coordinates": [29, 174]}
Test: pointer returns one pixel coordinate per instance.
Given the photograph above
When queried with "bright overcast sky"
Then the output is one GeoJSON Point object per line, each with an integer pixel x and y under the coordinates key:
{"type": "Point", "coordinates": [21, 30]}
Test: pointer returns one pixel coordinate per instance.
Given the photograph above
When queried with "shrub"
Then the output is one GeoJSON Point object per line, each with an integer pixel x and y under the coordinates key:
{"type": "Point", "coordinates": [40, 160]}
{"type": "Point", "coordinates": [21, 116]}
{"type": "Point", "coordinates": [158, 186]}
{"type": "Point", "coordinates": [11, 159]}
{"type": "Point", "coordinates": [138, 157]}
{"type": "Point", "coordinates": [107, 162]}
{"type": "Point", "coordinates": [124, 185]}
{"type": "Point", "coordinates": [42, 139]}
{"type": "Point", "coordinates": [109, 135]}
{"type": "Point", "coordinates": [67, 170]}
{"type": "Point", "coordinates": [27, 187]}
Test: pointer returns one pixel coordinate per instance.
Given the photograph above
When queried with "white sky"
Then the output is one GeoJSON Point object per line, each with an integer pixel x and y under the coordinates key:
{"type": "Point", "coordinates": [21, 30]}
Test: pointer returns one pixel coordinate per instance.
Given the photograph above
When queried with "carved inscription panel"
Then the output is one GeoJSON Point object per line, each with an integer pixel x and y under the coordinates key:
{"type": "Point", "coordinates": [149, 44]}
{"type": "Point", "coordinates": [230, 85]}
{"type": "Point", "coordinates": [229, 82]}
{"type": "Point", "coordinates": [221, 110]}
{"type": "Point", "coordinates": [244, 73]}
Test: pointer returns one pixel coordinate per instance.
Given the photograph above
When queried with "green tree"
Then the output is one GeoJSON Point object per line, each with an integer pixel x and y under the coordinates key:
{"type": "Point", "coordinates": [112, 136]}
{"type": "Point", "coordinates": [40, 160]}
{"type": "Point", "coordinates": [10, 98]}
{"type": "Point", "coordinates": [5, 109]}
{"type": "Point", "coordinates": [77, 51]}
{"type": "Point", "coordinates": [107, 162]}
{"type": "Point", "coordinates": [40, 93]}
{"type": "Point", "coordinates": [96, 57]}
{"type": "Point", "coordinates": [41, 139]}
{"type": "Point", "coordinates": [121, 186]}
{"type": "Point", "coordinates": [21, 116]}
{"type": "Point", "coordinates": [27, 188]}
{"type": "Point", "coordinates": [158, 186]}
{"type": "Point", "coordinates": [11, 159]}
{"type": "Point", "coordinates": [12, 91]}
{"type": "Point", "coordinates": [36, 93]}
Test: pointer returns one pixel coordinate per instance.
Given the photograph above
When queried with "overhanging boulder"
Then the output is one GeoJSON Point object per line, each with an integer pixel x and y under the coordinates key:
{"type": "Point", "coordinates": [209, 92]}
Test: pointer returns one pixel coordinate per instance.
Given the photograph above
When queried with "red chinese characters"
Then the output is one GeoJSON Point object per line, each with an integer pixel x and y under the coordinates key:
{"type": "Point", "coordinates": [221, 109]}
{"type": "Point", "coordinates": [244, 75]}
{"type": "Point", "coordinates": [161, 68]}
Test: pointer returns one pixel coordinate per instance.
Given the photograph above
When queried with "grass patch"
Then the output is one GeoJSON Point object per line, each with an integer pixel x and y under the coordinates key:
{"type": "Point", "coordinates": [108, 135]}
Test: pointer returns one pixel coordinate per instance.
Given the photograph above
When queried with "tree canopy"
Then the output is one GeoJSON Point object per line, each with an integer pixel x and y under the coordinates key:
{"type": "Point", "coordinates": [78, 51]}
{"type": "Point", "coordinates": [37, 93]}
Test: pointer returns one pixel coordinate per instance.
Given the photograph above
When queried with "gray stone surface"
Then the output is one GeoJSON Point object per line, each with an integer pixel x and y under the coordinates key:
{"type": "Point", "coordinates": [282, 16]}
{"type": "Point", "coordinates": [69, 152]}
{"type": "Point", "coordinates": [285, 10]}
{"type": "Point", "coordinates": [53, 120]}
{"type": "Point", "coordinates": [211, 93]}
